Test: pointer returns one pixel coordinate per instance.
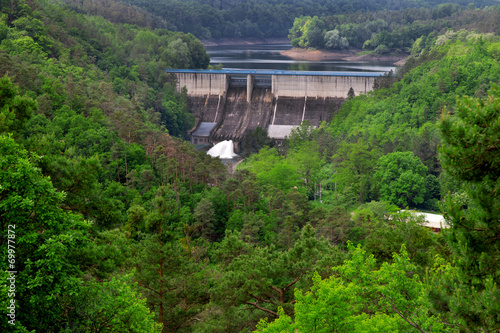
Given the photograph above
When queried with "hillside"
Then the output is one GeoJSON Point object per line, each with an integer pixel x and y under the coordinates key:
{"type": "Point", "coordinates": [114, 223]}
{"type": "Point", "coordinates": [265, 19]}
{"type": "Point", "coordinates": [381, 33]}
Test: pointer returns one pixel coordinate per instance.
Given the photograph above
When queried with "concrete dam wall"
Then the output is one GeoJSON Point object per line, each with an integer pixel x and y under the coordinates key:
{"type": "Point", "coordinates": [295, 110]}
{"type": "Point", "coordinates": [201, 84]}
{"type": "Point", "coordinates": [227, 104]}
{"type": "Point", "coordinates": [320, 86]}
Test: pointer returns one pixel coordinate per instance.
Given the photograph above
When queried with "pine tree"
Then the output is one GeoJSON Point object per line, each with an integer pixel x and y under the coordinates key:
{"type": "Point", "coordinates": [471, 153]}
{"type": "Point", "coordinates": [350, 93]}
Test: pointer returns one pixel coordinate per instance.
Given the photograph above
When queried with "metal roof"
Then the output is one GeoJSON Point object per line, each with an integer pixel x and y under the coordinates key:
{"type": "Point", "coordinates": [264, 72]}
{"type": "Point", "coordinates": [204, 129]}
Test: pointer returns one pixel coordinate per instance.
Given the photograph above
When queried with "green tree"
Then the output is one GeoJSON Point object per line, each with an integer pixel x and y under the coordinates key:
{"type": "Point", "coordinates": [334, 41]}
{"type": "Point", "coordinates": [111, 306]}
{"type": "Point", "coordinates": [296, 32]}
{"type": "Point", "coordinates": [264, 277]}
{"type": "Point", "coordinates": [255, 141]}
{"type": "Point", "coordinates": [170, 274]}
{"type": "Point", "coordinates": [471, 153]}
{"type": "Point", "coordinates": [15, 110]}
{"type": "Point", "coordinates": [398, 228]}
{"type": "Point", "coordinates": [359, 298]}
{"type": "Point", "coordinates": [350, 93]}
{"type": "Point", "coordinates": [315, 32]}
{"type": "Point", "coordinates": [273, 170]}
{"type": "Point", "coordinates": [354, 166]}
{"type": "Point", "coordinates": [401, 177]}
{"type": "Point", "coordinates": [177, 54]}
{"type": "Point", "coordinates": [300, 134]}
{"type": "Point", "coordinates": [307, 159]}
{"type": "Point", "coordinates": [43, 240]}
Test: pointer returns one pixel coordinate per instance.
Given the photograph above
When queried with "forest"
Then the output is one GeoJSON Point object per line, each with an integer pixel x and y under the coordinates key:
{"type": "Point", "coordinates": [208, 19]}
{"type": "Point", "coordinates": [112, 222]}
{"type": "Point", "coordinates": [391, 32]}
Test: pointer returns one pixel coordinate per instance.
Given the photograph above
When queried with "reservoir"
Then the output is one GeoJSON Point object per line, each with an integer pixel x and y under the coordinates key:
{"type": "Point", "coordinates": [268, 57]}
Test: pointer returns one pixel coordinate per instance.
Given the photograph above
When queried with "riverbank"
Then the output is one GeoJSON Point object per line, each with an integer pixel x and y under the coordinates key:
{"type": "Point", "coordinates": [344, 55]}
{"type": "Point", "coordinates": [243, 41]}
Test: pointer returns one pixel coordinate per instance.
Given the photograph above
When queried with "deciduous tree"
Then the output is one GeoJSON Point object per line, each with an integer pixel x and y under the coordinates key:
{"type": "Point", "coordinates": [401, 177]}
{"type": "Point", "coordinates": [41, 239]}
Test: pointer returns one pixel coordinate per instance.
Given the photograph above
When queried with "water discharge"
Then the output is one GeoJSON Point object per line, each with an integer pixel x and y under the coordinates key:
{"type": "Point", "coordinates": [223, 150]}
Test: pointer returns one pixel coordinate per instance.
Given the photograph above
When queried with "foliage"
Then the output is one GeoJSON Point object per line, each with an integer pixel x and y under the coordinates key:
{"type": "Point", "coordinates": [392, 31]}
{"type": "Point", "coordinates": [388, 299]}
{"type": "Point", "coordinates": [402, 227]}
{"type": "Point", "coordinates": [105, 153]}
{"type": "Point", "coordinates": [400, 117]}
{"type": "Point", "coordinates": [111, 306]}
{"type": "Point", "coordinates": [265, 19]}
{"type": "Point", "coordinates": [255, 141]}
{"type": "Point", "coordinates": [171, 278]}
{"type": "Point", "coordinates": [43, 239]}
{"type": "Point", "coordinates": [120, 221]}
{"type": "Point", "coordinates": [264, 277]}
{"type": "Point", "coordinates": [334, 41]}
{"type": "Point", "coordinates": [15, 110]}
{"type": "Point", "coordinates": [470, 154]}
{"type": "Point", "coordinates": [298, 135]}
{"type": "Point", "coordinates": [355, 164]}
{"type": "Point", "coordinates": [401, 178]}
{"type": "Point", "coordinates": [273, 170]}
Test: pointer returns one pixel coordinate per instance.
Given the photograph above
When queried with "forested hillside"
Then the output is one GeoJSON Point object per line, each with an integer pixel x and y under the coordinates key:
{"type": "Point", "coordinates": [395, 31]}
{"type": "Point", "coordinates": [111, 222]}
{"type": "Point", "coordinates": [264, 18]}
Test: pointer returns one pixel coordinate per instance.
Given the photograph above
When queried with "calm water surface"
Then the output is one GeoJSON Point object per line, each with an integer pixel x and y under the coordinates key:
{"type": "Point", "coordinates": [268, 57]}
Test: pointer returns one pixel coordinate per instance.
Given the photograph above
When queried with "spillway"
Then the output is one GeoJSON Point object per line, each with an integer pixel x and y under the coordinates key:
{"type": "Point", "coordinates": [235, 110]}
{"type": "Point", "coordinates": [259, 111]}
{"type": "Point", "coordinates": [227, 104]}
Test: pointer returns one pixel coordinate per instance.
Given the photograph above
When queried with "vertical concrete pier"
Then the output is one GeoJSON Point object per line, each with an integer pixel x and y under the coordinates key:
{"type": "Point", "coordinates": [249, 87]}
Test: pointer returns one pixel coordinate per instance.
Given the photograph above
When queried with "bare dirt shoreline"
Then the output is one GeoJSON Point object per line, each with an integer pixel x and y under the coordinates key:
{"type": "Point", "coordinates": [244, 41]}
{"type": "Point", "coordinates": [347, 55]}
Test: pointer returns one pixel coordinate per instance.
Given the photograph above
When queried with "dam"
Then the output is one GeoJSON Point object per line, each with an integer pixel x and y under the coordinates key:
{"type": "Point", "coordinates": [228, 104]}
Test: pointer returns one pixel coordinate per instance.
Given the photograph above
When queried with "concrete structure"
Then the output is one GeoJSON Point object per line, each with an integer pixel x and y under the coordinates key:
{"type": "Point", "coordinates": [238, 101]}
{"type": "Point", "coordinates": [280, 132]}
{"type": "Point", "coordinates": [201, 83]}
{"type": "Point", "coordinates": [320, 86]}
{"type": "Point", "coordinates": [283, 83]}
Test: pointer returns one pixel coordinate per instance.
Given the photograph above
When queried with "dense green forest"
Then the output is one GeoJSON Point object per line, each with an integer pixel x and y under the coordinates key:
{"type": "Point", "coordinates": [266, 18]}
{"type": "Point", "coordinates": [391, 31]}
{"type": "Point", "coordinates": [112, 222]}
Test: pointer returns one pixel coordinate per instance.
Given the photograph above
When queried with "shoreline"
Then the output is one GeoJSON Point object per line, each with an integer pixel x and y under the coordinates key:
{"type": "Point", "coordinates": [296, 53]}
{"type": "Point", "coordinates": [347, 55]}
{"type": "Point", "coordinates": [243, 41]}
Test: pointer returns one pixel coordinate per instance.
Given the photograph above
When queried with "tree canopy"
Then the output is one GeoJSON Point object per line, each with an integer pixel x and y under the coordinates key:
{"type": "Point", "coordinates": [113, 222]}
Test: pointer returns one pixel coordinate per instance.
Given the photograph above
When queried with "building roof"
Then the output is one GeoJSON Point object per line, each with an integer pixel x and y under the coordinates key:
{"type": "Point", "coordinates": [435, 221]}
{"type": "Point", "coordinates": [280, 131]}
{"type": "Point", "coordinates": [276, 72]}
{"type": "Point", "coordinates": [204, 129]}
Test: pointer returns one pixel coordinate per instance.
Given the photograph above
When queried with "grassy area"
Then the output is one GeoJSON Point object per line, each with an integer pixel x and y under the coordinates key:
{"type": "Point", "coordinates": [367, 52]}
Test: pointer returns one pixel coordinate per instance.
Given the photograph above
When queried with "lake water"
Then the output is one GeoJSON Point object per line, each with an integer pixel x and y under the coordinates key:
{"type": "Point", "coordinates": [268, 57]}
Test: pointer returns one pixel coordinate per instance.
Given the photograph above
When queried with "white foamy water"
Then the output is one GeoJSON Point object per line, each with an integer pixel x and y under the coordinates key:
{"type": "Point", "coordinates": [223, 150]}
